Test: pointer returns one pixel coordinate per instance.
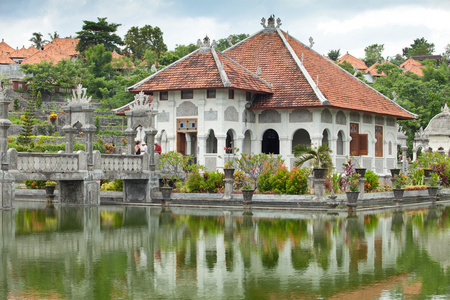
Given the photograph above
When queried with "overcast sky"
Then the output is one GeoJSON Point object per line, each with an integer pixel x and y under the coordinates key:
{"type": "Point", "coordinates": [346, 25]}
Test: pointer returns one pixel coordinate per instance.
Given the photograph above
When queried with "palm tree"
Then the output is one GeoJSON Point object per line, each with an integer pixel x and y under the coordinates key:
{"type": "Point", "coordinates": [54, 35]}
{"type": "Point", "coordinates": [305, 153]}
{"type": "Point", "coordinates": [37, 40]}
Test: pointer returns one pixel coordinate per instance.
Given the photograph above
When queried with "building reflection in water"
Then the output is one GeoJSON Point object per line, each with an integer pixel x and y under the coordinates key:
{"type": "Point", "coordinates": [133, 252]}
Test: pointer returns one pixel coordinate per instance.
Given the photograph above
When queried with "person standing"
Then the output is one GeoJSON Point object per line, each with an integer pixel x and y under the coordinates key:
{"type": "Point", "coordinates": [144, 148]}
{"type": "Point", "coordinates": [137, 148]}
{"type": "Point", "coordinates": [158, 148]}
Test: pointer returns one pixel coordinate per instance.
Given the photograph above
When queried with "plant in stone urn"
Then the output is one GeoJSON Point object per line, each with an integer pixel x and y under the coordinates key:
{"type": "Point", "coordinates": [173, 166]}
{"type": "Point", "coordinates": [50, 187]}
{"type": "Point", "coordinates": [248, 190]}
{"type": "Point", "coordinates": [398, 184]}
{"type": "Point", "coordinates": [320, 156]}
{"type": "Point", "coordinates": [350, 182]}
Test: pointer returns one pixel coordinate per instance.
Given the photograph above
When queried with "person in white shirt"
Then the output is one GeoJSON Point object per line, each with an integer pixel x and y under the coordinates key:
{"type": "Point", "coordinates": [144, 148]}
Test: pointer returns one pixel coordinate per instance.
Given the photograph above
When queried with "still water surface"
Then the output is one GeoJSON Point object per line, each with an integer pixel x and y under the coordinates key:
{"type": "Point", "coordinates": [149, 253]}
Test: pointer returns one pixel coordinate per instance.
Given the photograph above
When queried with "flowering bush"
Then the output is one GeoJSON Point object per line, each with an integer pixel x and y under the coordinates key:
{"type": "Point", "coordinates": [52, 118]}
{"type": "Point", "coordinates": [399, 181]}
{"type": "Point", "coordinates": [34, 184]}
{"type": "Point", "coordinates": [298, 181]}
{"type": "Point", "coordinates": [350, 179]}
{"type": "Point", "coordinates": [209, 182]}
{"type": "Point", "coordinates": [279, 180]}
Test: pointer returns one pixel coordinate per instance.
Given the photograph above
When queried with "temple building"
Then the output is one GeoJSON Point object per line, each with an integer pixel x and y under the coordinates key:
{"type": "Point", "coordinates": [267, 94]}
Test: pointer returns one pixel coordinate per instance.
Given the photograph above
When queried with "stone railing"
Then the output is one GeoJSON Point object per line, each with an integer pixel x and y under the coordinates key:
{"type": "Point", "coordinates": [47, 162]}
{"type": "Point", "coordinates": [113, 162]}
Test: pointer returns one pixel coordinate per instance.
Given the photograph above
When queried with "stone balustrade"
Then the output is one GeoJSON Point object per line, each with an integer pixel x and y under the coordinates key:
{"type": "Point", "coordinates": [47, 162]}
{"type": "Point", "coordinates": [114, 162]}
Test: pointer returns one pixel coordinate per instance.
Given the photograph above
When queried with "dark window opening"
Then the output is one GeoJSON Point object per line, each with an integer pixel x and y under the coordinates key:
{"type": "Point", "coordinates": [188, 94]}
{"type": "Point", "coordinates": [164, 95]}
{"type": "Point", "coordinates": [210, 93]}
{"type": "Point", "coordinates": [230, 94]}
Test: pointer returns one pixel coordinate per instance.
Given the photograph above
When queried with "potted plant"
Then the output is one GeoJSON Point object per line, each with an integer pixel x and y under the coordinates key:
{"type": "Point", "coordinates": [228, 170]}
{"type": "Point", "coordinates": [173, 166]}
{"type": "Point", "coordinates": [427, 172]}
{"type": "Point", "coordinates": [320, 156]}
{"type": "Point", "coordinates": [398, 186]}
{"type": "Point", "coordinates": [247, 192]}
{"type": "Point", "coordinates": [433, 185]}
{"type": "Point", "coordinates": [395, 172]}
{"type": "Point", "coordinates": [50, 186]}
{"type": "Point", "coordinates": [230, 156]}
{"type": "Point", "coordinates": [353, 191]}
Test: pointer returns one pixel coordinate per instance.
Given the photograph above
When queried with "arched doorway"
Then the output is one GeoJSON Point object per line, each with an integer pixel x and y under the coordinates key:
{"type": "Point", "coordinates": [325, 139]}
{"type": "Point", "coordinates": [211, 142]}
{"type": "Point", "coordinates": [340, 144]}
{"type": "Point", "coordinates": [229, 142]}
{"type": "Point", "coordinates": [301, 137]}
{"type": "Point", "coordinates": [247, 147]}
{"type": "Point", "coordinates": [270, 142]}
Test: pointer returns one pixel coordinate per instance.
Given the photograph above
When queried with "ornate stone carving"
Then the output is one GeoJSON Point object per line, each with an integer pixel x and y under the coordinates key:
{"type": "Point", "coordinates": [141, 103]}
{"type": "Point", "coordinates": [186, 109]}
{"type": "Point", "coordinates": [263, 22]}
{"type": "Point", "coordinates": [341, 118]}
{"type": "Point", "coordinates": [326, 116]}
{"type": "Point", "coordinates": [367, 118]}
{"type": "Point", "coordinates": [79, 96]}
{"type": "Point", "coordinates": [445, 109]}
{"type": "Point", "coordinates": [394, 94]}
{"type": "Point", "coordinates": [230, 38]}
{"type": "Point", "coordinates": [258, 71]}
{"type": "Point", "coordinates": [279, 22]}
{"type": "Point", "coordinates": [153, 68]}
{"type": "Point", "coordinates": [269, 116]}
{"type": "Point", "coordinates": [231, 114]}
{"type": "Point", "coordinates": [354, 117]}
{"type": "Point", "coordinates": [311, 42]}
{"type": "Point", "coordinates": [300, 116]}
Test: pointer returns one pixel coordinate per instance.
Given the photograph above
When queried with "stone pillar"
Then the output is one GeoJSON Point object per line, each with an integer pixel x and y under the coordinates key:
{"type": "Point", "coordinates": [68, 130]}
{"type": "Point", "coordinates": [130, 133]}
{"type": "Point", "coordinates": [150, 133]}
{"type": "Point", "coordinates": [361, 183]}
{"type": "Point", "coordinates": [201, 149]}
{"type": "Point", "coordinates": [404, 159]}
{"type": "Point", "coordinates": [229, 187]}
{"type": "Point", "coordinates": [318, 189]}
{"type": "Point", "coordinates": [257, 146]}
{"type": "Point", "coordinates": [7, 190]}
{"type": "Point", "coordinates": [89, 129]}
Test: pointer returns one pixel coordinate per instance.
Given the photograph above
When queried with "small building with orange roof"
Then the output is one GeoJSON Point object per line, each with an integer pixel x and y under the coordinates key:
{"type": "Point", "coordinates": [267, 94]}
{"type": "Point", "coordinates": [5, 49]}
{"type": "Point", "coordinates": [120, 62]}
{"type": "Point", "coordinates": [355, 62]}
{"type": "Point", "coordinates": [413, 66]}
{"type": "Point", "coordinates": [372, 72]}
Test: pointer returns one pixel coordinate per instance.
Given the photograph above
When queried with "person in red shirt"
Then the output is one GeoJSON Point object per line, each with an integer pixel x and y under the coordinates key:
{"type": "Point", "coordinates": [158, 148]}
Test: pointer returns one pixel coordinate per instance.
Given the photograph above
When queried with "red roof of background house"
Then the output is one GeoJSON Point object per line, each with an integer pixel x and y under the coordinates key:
{"type": "Point", "coordinates": [51, 54]}
{"type": "Point", "coordinates": [116, 57]}
{"type": "Point", "coordinates": [19, 53]}
{"type": "Point", "coordinates": [353, 61]}
{"type": "Point", "coordinates": [32, 50]}
{"type": "Point", "coordinates": [199, 70]}
{"type": "Point", "coordinates": [413, 66]}
{"type": "Point", "coordinates": [66, 45]}
{"type": "Point", "coordinates": [5, 60]}
{"type": "Point", "coordinates": [5, 48]}
{"type": "Point", "coordinates": [374, 72]}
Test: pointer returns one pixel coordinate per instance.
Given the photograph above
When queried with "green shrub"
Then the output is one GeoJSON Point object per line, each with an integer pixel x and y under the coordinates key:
{"type": "Point", "coordinates": [112, 186]}
{"type": "Point", "coordinates": [278, 181]}
{"type": "Point", "coordinates": [194, 183]}
{"type": "Point", "coordinates": [35, 184]}
{"type": "Point", "coordinates": [372, 182]}
{"type": "Point", "coordinates": [298, 181]}
{"type": "Point", "coordinates": [209, 182]}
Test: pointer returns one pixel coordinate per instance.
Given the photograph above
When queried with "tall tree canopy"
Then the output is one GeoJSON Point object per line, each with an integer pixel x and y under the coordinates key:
{"type": "Point", "coordinates": [37, 40]}
{"type": "Point", "coordinates": [101, 32]}
{"type": "Point", "coordinates": [373, 54]}
{"type": "Point", "coordinates": [419, 47]}
{"type": "Point", "coordinates": [138, 40]}
{"type": "Point", "coordinates": [54, 35]}
{"type": "Point", "coordinates": [334, 54]}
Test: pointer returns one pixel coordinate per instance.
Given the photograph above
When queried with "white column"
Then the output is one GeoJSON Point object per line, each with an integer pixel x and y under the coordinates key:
{"type": "Point", "coordinates": [221, 139]}
{"type": "Point", "coordinates": [201, 148]}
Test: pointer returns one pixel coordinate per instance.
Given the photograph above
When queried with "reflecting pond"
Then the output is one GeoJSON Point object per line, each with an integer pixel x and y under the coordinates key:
{"type": "Point", "coordinates": [112, 252]}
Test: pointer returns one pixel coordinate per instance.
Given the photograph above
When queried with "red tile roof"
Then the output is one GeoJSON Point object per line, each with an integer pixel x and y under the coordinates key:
{"type": "Point", "coordinates": [292, 90]}
{"type": "Point", "coordinates": [5, 48]}
{"type": "Point", "coordinates": [65, 45]}
{"type": "Point", "coordinates": [200, 70]}
{"type": "Point", "coordinates": [50, 54]}
{"type": "Point", "coordinates": [413, 66]}
{"type": "Point", "coordinates": [353, 61]}
{"type": "Point", "coordinates": [292, 76]}
{"type": "Point", "coordinates": [19, 53]}
{"type": "Point", "coordinates": [5, 60]}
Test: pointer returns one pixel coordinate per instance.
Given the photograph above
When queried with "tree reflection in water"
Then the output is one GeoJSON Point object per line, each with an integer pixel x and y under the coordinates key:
{"type": "Point", "coordinates": [133, 252]}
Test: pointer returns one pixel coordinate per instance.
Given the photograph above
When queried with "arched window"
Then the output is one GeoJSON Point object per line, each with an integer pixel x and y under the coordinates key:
{"type": "Point", "coordinates": [247, 142]}
{"type": "Point", "coordinates": [211, 142]}
{"type": "Point", "coordinates": [340, 144]}
{"type": "Point", "coordinates": [301, 137]}
{"type": "Point", "coordinates": [270, 142]}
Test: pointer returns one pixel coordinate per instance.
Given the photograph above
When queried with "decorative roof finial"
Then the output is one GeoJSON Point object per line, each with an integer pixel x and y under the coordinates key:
{"type": "Point", "coordinates": [445, 108]}
{"type": "Point", "coordinates": [311, 42]}
{"type": "Point", "coordinates": [229, 39]}
{"type": "Point", "coordinates": [141, 103]}
{"type": "Point", "coordinates": [258, 71]}
{"type": "Point", "coordinates": [271, 21]}
{"type": "Point", "coordinates": [79, 96]}
{"type": "Point", "coordinates": [279, 22]}
{"type": "Point", "coordinates": [263, 22]}
{"type": "Point", "coordinates": [355, 68]}
{"type": "Point", "coordinates": [395, 96]}
{"type": "Point", "coordinates": [206, 41]}
{"type": "Point", "coordinates": [153, 68]}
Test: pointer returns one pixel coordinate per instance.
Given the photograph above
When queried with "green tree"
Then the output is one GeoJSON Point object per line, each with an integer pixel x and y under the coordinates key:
{"type": "Point", "coordinates": [44, 78]}
{"type": "Point", "coordinates": [24, 137]}
{"type": "Point", "coordinates": [37, 40]}
{"type": "Point", "coordinates": [373, 54]}
{"type": "Point", "coordinates": [38, 100]}
{"type": "Point", "coordinates": [138, 40]}
{"type": "Point", "coordinates": [54, 35]}
{"type": "Point", "coordinates": [223, 44]}
{"type": "Point", "coordinates": [419, 47]}
{"type": "Point", "coordinates": [334, 54]}
{"type": "Point", "coordinates": [98, 61]}
{"type": "Point", "coordinates": [101, 32]}
{"type": "Point", "coordinates": [167, 58]}
{"type": "Point", "coordinates": [183, 50]}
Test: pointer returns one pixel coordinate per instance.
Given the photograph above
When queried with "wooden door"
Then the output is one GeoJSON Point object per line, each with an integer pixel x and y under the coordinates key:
{"type": "Point", "coordinates": [181, 143]}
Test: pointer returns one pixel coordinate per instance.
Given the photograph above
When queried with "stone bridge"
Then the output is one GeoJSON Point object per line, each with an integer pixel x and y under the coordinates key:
{"type": "Point", "coordinates": [79, 173]}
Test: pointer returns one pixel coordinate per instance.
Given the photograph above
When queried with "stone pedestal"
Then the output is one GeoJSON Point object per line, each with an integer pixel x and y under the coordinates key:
{"type": "Point", "coordinates": [7, 190]}
{"type": "Point", "coordinates": [318, 189]}
{"type": "Point", "coordinates": [136, 190]}
{"type": "Point", "coordinates": [229, 183]}
{"type": "Point", "coordinates": [81, 192]}
{"type": "Point", "coordinates": [361, 183]}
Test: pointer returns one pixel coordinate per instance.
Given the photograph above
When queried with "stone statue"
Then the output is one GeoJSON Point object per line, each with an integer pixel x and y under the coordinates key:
{"type": "Point", "coordinates": [311, 42]}
{"type": "Point", "coordinates": [263, 22]}
{"type": "Point", "coordinates": [79, 96]}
